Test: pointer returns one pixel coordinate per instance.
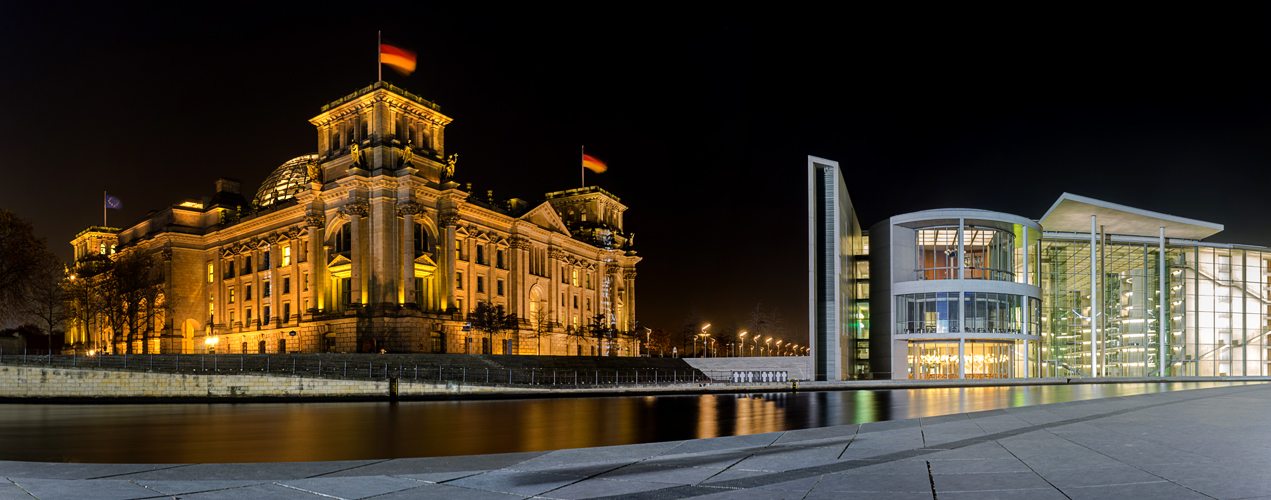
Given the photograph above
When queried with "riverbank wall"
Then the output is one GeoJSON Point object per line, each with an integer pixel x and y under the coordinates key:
{"type": "Point", "coordinates": [34, 383]}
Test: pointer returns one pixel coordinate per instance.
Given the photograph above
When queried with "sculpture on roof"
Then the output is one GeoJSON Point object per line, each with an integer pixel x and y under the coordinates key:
{"type": "Point", "coordinates": [450, 165]}
{"type": "Point", "coordinates": [408, 152]}
{"type": "Point", "coordinates": [357, 153]}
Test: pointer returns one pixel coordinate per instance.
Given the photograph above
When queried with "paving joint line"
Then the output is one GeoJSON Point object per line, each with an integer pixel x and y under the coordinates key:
{"type": "Point", "coordinates": [178, 466]}
{"type": "Point", "coordinates": [1123, 463]}
{"type": "Point", "coordinates": [350, 468]}
{"type": "Point", "coordinates": [781, 477]}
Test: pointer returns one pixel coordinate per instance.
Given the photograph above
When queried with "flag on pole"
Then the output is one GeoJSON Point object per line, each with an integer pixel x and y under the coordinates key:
{"type": "Point", "coordinates": [113, 202]}
{"type": "Point", "coordinates": [401, 60]}
{"type": "Point", "coordinates": [594, 165]}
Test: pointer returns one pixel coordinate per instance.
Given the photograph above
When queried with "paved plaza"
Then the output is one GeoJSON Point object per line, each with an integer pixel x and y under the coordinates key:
{"type": "Point", "coordinates": [1204, 443]}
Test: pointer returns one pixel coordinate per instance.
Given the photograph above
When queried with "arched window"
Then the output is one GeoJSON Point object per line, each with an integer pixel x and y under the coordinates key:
{"type": "Point", "coordinates": [421, 240]}
{"type": "Point", "coordinates": [344, 239]}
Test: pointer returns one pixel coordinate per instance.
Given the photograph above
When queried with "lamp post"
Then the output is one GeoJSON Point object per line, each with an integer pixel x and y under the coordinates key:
{"type": "Point", "coordinates": [768, 348]}
{"type": "Point", "coordinates": [647, 346]}
{"type": "Point", "coordinates": [742, 350]}
{"type": "Point", "coordinates": [703, 336]}
{"type": "Point", "coordinates": [779, 347]}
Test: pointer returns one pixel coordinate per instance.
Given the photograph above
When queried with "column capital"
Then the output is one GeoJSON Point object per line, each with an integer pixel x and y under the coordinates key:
{"type": "Point", "coordinates": [519, 242]}
{"type": "Point", "coordinates": [358, 208]}
{"type": "Point", "coordinates": [409, 208]}
{"type": "Point", "coordinates": [449, 219]}
{"type": "Point", "coordinates": [555, 253]}
{"type": "Point", "coordinates": [315, 218]}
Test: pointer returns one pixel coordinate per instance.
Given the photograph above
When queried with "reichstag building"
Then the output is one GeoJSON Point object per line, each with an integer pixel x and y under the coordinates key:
{"type": "Point", "coordinates": [369, 244]}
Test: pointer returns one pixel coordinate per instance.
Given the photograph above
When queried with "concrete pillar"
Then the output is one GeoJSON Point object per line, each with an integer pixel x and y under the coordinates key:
{"type": "Point", "coordinates": [1094, 301]}
{"type": "Point", "coordinates": [961, 358]}
{"type": "Point", "coordinates": [1163, 319]}
{"type": "Point", "coordinates": [629, 275]}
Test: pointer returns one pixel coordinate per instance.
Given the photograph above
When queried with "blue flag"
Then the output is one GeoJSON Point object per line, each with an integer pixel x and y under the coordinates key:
{"type": "Point", "coordinates": [113, 202]}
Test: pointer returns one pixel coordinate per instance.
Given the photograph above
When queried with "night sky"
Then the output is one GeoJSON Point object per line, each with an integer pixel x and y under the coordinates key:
{"type": "Point", "coordinates": [705, 119]}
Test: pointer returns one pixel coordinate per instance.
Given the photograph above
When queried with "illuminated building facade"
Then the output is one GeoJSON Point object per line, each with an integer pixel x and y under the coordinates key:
{"type": "Point", "coordinates": [369, 244]}
{"type": "Point", "coordinates": [1091, 289]}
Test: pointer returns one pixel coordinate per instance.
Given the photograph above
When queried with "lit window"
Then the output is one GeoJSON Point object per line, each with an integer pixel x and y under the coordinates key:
{"type": "Point", "coordinates": [286, 255]}
{"type": "Point", "coordinates": [231, 295]}
{"type": "Point", "coordinates": [209, 272]}
{"type": "Point", "coordinates": [103, 249]}
{"type": "Point", "coordinates": [231, 317]}
{"type": "Point", "coordinates": [575, 277]}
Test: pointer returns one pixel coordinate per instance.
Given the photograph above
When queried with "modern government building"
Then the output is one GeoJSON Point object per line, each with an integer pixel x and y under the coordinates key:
{"type": "Point", "coordinates": [369, 244]}
{"type": "Point", "coordinates": [1090, 289]}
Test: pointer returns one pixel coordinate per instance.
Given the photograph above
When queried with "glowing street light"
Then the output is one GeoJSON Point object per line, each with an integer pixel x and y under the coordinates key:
{"type": "Point", "coordinates": [768, 349]}
{"type": "Point", "coordinates": [742, 349]}
{"type": "Point", "coordinates": [703, 335]}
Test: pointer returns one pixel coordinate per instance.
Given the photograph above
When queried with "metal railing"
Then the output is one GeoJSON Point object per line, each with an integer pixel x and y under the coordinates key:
{"type": "Point", "coordinates": [361, 367]}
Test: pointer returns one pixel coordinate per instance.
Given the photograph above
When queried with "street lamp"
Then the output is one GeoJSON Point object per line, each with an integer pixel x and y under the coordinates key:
{"type": "Point", "coordinates": [742, 336]}
{"type": "Point", "coordinates": [703, 336]}
{"type": "Point", "coordinates": [768, 348]}
{"type": "Point", "coordinates": [779, 347]}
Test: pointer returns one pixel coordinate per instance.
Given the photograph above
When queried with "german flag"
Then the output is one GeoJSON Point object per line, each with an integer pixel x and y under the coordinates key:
{"type": "Point", "coordinates": [594, 165]}
{"type": "Point", "coordinates": [401, 60]}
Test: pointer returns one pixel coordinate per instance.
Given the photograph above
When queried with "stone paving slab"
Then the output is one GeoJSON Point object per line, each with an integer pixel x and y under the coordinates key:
{"type": "Point", "coordinates": [1201, 443]}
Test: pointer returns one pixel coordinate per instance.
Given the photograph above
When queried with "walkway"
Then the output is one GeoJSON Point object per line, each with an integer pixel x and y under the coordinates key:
{"type": "Point", "coordinates": [1205, 443]}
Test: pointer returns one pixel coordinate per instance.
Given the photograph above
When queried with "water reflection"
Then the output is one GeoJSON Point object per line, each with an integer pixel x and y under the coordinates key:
{"type": "Point", "coordinates": [286, 432]}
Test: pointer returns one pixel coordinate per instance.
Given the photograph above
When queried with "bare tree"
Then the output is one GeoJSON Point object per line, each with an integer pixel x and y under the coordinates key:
{"type": "Point", "coordinates": [23, 260]}
{"type": "Point", "coordinates": [48, 299]}
{"type": "Point", "coordinates": [491, 320]}
{"type": "Point", "coordinates": [541, 322]}
{"type": "Point", "coordinates": [84, 303]}
{"type": "Point", "coordinates": [130, 293]}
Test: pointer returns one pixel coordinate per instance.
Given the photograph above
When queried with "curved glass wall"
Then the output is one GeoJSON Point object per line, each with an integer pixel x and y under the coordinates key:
{"type": "Point", "coordinates": [994, 312]}
{"type": "Point", "coordinates": [983, 359]}
{"type": "Point", "coordinates": [935, 312]}
{"type": "Point", "coordinates": [937, 253]}
{"type": "Point", "coordinates": [990, 254]}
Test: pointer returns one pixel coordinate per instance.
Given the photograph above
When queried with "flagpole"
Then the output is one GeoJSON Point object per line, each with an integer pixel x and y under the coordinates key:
{"type": "Point", "coordinates": [582, 151]}
{"type": "Point", "coordinates": [379, 56]}
{"type": "Point", "coordinates": [104, 195]}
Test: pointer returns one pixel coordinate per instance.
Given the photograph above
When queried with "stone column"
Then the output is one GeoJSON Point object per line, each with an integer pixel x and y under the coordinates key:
{"type": "Point", "coordinates": [315, 260]}
{"type": "Point", "coordinates": [554, 258]}
{"type": "Point", "coordinates": [407, 211]}
{"type": "Point", "coordinates": [628, 300]}
{"type": "Point", "coordinates": [517, 272]}
{"type": "Point", "coordinates": [449, 221]}
{"type": "Point", "coordinates": [355, 211]}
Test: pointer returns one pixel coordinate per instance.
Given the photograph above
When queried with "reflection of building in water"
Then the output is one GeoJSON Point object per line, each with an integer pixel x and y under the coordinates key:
{"type": "Point", "coordinates": [1091, 289]}
{"type": "Point", "coordinates": [369, 244]}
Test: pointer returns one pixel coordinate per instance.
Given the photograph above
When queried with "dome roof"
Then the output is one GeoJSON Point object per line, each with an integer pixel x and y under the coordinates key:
{"type": "Point", "coordinates": [287, 180]}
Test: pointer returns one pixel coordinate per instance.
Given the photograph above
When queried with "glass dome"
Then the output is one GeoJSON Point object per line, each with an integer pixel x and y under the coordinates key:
{"type": "Point", "coordinates": [287, 180]}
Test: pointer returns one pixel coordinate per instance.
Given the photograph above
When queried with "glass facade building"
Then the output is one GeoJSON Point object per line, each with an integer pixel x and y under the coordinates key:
{"type": "Point", "coordinates": [1090, 289]}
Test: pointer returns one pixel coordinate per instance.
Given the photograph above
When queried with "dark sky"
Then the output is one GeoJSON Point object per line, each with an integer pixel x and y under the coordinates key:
{"type": "Point", "coordinates": [705, 119]}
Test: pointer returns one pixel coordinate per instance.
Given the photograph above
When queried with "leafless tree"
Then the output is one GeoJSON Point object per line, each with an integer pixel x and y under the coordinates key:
{"type": "Point", "coordinates": [23, 261]}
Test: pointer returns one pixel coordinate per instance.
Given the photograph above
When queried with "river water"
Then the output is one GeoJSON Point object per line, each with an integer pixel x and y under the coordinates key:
{"type": "Point", "coordinates": [295, 432]}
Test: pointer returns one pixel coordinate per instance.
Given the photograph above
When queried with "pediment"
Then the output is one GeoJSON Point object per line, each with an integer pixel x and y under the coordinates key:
{"type": "Point", "coordinates": [339, 260]}
{"type": "Point", "coordinates": [545, 216]}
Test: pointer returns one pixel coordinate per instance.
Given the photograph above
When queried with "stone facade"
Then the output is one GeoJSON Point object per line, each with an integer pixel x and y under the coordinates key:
{"type": "Point", "coordinates": [369, 244]}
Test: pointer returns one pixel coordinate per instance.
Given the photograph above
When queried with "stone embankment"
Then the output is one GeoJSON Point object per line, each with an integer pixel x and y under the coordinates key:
{"type": "Point", "coordinates": [35, 383]}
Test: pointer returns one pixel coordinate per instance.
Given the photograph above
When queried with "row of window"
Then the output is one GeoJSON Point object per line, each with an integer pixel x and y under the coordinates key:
{"type": "Point", "coordinates": [247, 264]}
{"type": "Point", "coordinates": [938, 312]}
{"type": "Point", "coordinates": [266, 317]}
{"type": "Point", "coordinates": [266, 288]}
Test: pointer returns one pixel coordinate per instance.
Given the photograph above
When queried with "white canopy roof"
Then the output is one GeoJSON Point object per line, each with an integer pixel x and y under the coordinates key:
{"type": "Point", "coordinates": [1071, 213]}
